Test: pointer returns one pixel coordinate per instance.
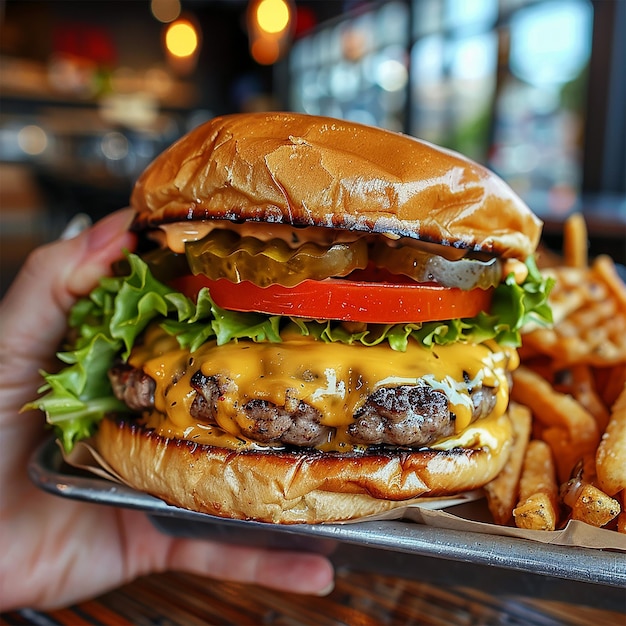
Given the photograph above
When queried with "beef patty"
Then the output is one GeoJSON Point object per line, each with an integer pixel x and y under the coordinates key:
{"type": "Point", "coordinates": [406, 415]}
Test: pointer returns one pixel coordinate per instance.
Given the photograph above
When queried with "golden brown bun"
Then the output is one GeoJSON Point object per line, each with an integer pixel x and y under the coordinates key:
{"type": "Point", "coordinates": [308, 170]}
{"type": "Point", "coordinates": [288, 487]}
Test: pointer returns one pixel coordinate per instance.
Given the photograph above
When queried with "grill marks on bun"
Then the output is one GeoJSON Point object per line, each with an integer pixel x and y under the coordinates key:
{"type": "Point", "coordinates": [292, 487]}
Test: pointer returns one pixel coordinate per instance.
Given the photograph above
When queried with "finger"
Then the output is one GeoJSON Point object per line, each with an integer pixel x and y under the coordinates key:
{"type": "Point", "coordinates": [286, 571]}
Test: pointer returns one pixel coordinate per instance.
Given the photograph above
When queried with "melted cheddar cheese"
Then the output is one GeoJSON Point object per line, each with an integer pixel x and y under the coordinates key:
{"type": "Point", "coordinates": [334, 378]}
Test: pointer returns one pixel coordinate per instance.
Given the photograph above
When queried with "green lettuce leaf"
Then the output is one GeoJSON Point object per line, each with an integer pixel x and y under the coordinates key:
{"type": "Point", "coordinates": [108, 322]}
{"type": "Point", "coordinates": [78, 396]}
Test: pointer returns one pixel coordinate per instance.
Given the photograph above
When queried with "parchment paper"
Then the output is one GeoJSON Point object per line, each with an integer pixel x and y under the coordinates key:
{"type": "Point", "coordinates": [466, 512]}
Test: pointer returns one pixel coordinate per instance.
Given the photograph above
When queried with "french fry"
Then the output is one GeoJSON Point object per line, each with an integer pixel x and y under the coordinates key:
{"type": "Point", "coordinates": [612, 383]}
{"type": "Point", "coordinates": [502, 491]}
{"type": "Point", "coordinates": [538, 507]}
{"type": "Point", "coordinates": [567, 456]}
{"type": "Point", "coordinates": [588, 503]}
{"type": "Point", "coordinates": [537, 512]}
{"type": "Point", "coordinates": [541, 341]}
{"type": "Point", "coordinates": [575, 243]}
{"type": "Point", "coordinates": [611, 454]}
{"type": "Point", "coordinates": [573, 379]}
{"type": "Point", "coordinates": [589, 309]}
{"type": "Point", "coordinates": [604, 268]}
{"type": "Point", "coordinates": [594, 507]}
{"type": "Point", "coordinates": [584, 390]}
{"type": "Point", "coordinates": [595, 334]}
{"type": "Point", "coordinates": [575, 433]}
{"type": "Point", "coordinates": [550, 406]}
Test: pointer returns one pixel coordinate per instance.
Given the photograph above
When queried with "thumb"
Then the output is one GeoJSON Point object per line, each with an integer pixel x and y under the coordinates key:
{"type": "Point", "coordinates": [34, 311]}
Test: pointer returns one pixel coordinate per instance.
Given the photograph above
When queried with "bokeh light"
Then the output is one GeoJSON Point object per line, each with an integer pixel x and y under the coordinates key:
{"type": "Point", "coordinates": [32, 139]}
{"type": "Point", "coordinates": [165, 10]}
{"type": "Point", "coordinates": [181, 39]}
{"type": "Point", "coordinates": [273, 16]}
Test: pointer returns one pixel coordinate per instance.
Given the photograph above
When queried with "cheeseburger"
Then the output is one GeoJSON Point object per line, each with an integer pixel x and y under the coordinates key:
{"type": "Point", "coordinates": [319, 324]}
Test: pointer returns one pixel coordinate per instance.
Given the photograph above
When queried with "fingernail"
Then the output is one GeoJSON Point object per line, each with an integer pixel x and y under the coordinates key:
{"type": "Point", "coordinates": [326, 590]}
{"type": "Point", "coordinates": [110, 227]}
{"type": "Point", "coordinates": [79, 223]}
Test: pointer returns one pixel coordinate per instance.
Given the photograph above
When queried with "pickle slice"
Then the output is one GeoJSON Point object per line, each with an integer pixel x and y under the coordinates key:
{"type": "Point", "coordinates": [225, 254]}
{"type": "Point", "coordinates": [425, 267]}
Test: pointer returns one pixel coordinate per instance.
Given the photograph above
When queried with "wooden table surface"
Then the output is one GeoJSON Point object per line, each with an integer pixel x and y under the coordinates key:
{"type": "Point", "coordinates": [360, 598]}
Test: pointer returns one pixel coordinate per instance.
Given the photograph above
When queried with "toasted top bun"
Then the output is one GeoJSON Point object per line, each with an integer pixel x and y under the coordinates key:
{"type": "Point", "coordinates": [313, 171]}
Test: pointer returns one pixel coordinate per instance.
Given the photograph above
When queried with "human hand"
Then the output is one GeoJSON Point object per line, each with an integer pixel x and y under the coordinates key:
{"type": "Point", "coordinates": [57, 551]}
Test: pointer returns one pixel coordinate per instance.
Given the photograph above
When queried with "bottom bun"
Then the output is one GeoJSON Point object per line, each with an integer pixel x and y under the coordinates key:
{"type": "Point", "coordinates": [289, 487]}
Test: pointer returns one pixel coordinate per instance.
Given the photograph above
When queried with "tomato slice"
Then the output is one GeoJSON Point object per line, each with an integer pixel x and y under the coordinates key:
{"type": "Point", "coordinates": [345, 300]}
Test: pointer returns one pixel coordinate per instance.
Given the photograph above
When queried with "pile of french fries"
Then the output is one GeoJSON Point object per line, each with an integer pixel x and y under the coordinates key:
{"type": "Point", "coordinates": [569, 403]}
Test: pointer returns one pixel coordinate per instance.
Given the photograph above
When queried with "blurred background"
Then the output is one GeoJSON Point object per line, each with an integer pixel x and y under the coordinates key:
{"type": "Point", "coordinates": [91, 91]}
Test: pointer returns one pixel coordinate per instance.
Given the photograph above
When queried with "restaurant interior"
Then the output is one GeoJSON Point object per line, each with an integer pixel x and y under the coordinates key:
{"type": "Point", "coordinates": [92, 91]}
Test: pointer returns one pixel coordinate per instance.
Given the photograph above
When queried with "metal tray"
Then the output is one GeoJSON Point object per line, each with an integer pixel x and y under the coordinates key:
{"type": "Point", "coordinates": [48, 470]}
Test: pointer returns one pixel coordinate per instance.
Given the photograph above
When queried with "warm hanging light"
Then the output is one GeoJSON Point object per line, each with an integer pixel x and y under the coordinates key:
{"type": "Point", "coordinates": [269, 29]}
{"type": "Point", "coordinates": [181, 39]}
{"type": "Point", "coordinates": [273, 16]}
